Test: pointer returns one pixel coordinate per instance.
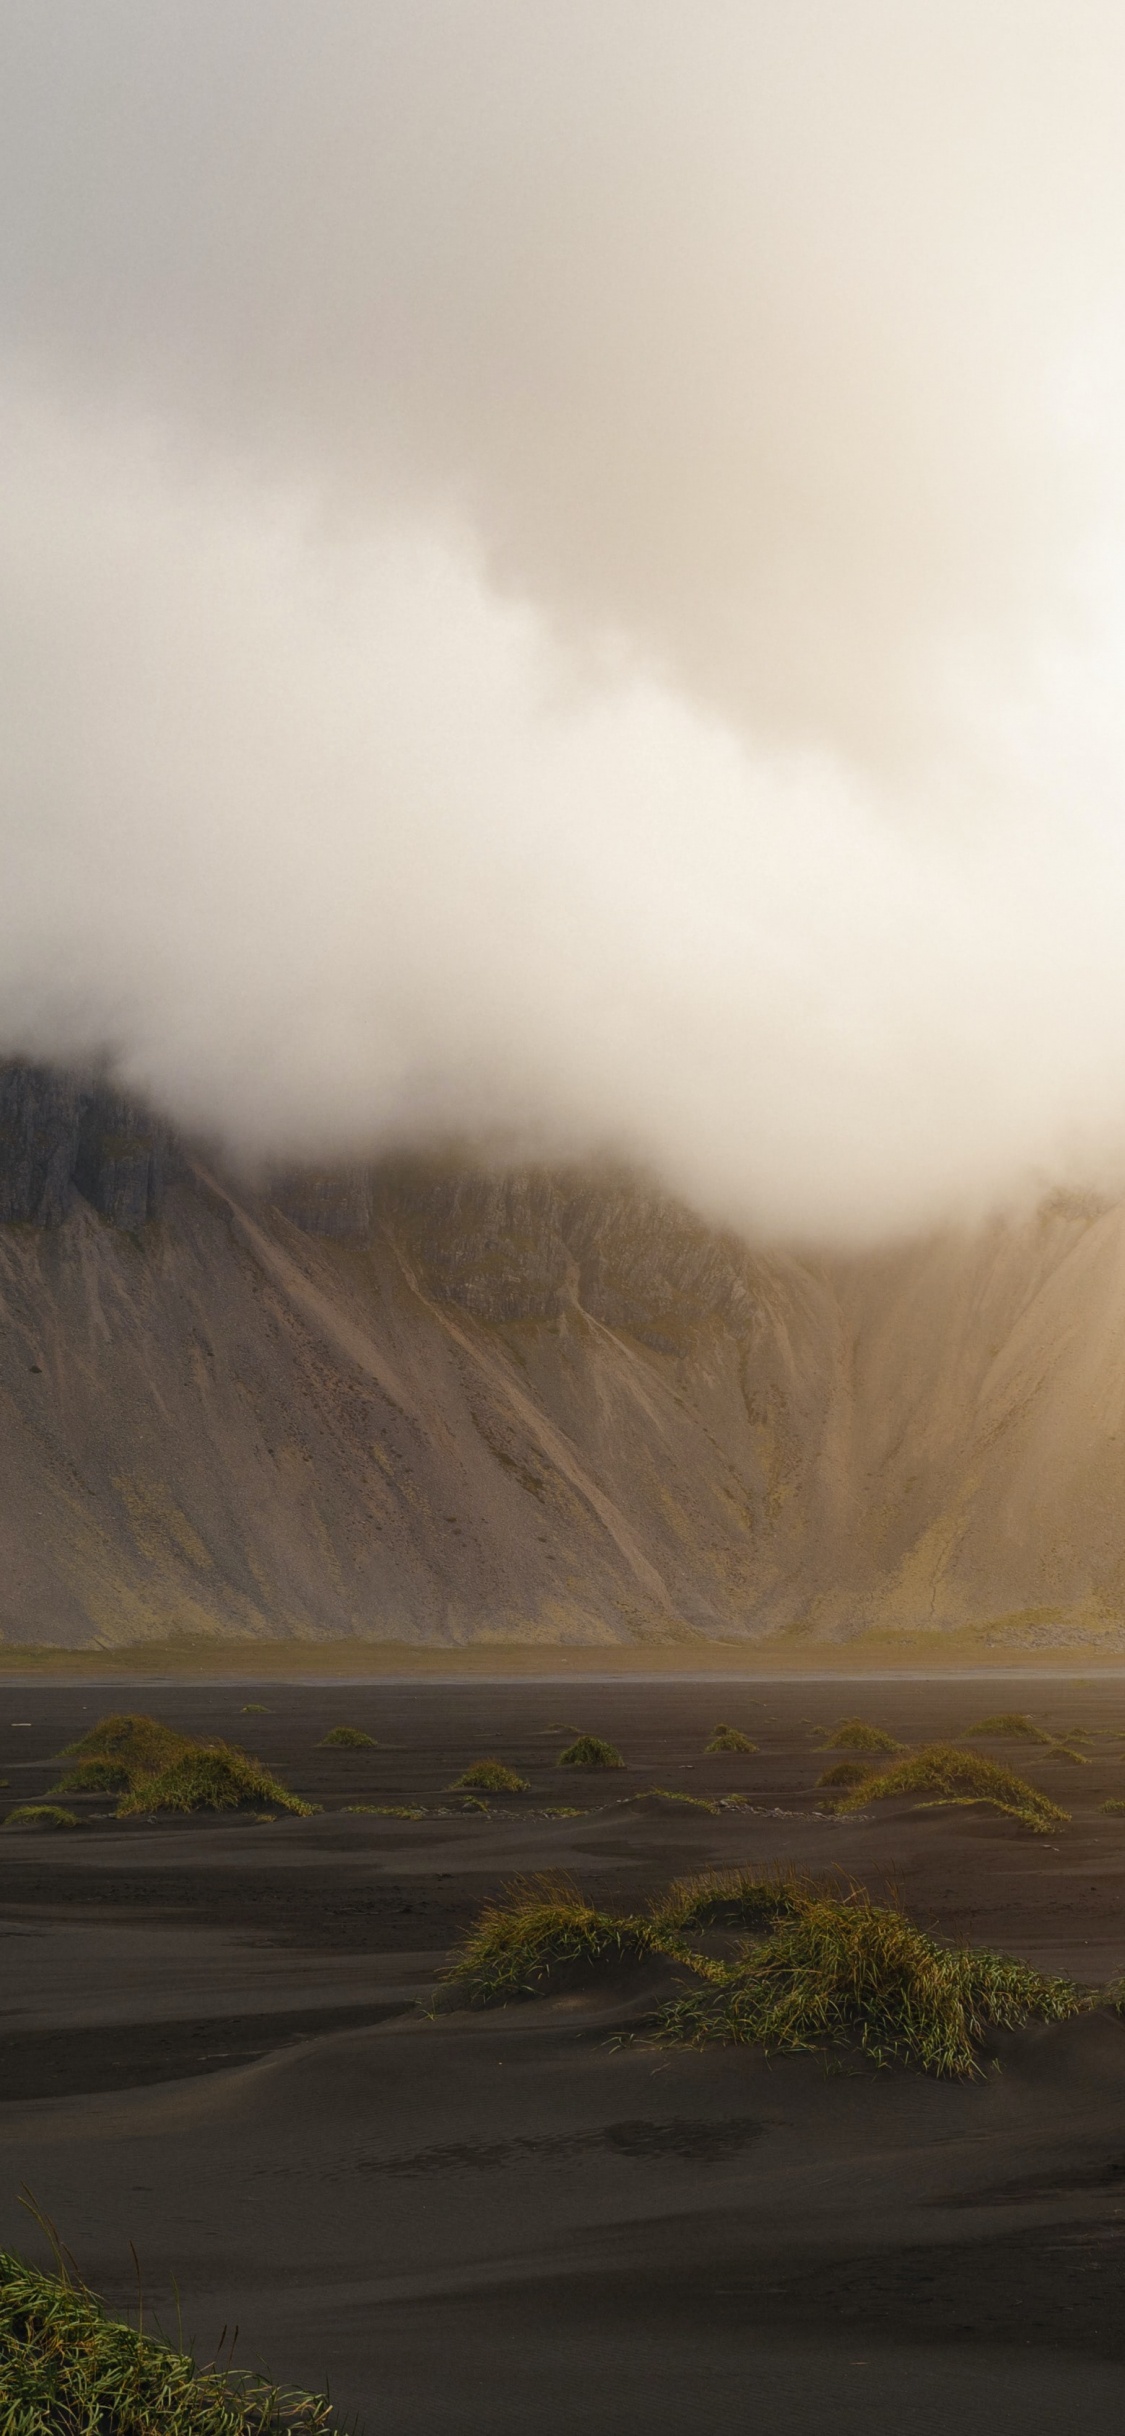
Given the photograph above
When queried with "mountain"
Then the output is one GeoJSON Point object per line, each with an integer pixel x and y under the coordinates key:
{"type": "Point", "coordinates": [416, 1401]}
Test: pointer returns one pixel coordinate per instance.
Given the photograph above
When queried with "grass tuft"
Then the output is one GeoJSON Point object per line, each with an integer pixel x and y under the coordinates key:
{"type": "Point", "coordinates": [846, 1772]}
{"type": "Point", "coordinates": [590, 1752]}
{"type": "Point", "coordinates": [855, 1734]}
{"type": "Point", "coordinates": [542, 1927]}
{"type": "Point", "coordinates": [819, 1967]}
{"type": "Point", "coordinates": [490, 1776]}
{"type": "Point", "coordinates": [381, 1810]}
{"type": "Point", "coordinates": [849, 1971]}
{"type": "Point", "coordinates": [731, 1738]}
{"type": "Point", "coordinates": [40, 1814]}
{"type": "Point", "coordinates": [347, 1738]}
{"type": "Point", "coordinates": [960, 1776]}
{"type": "Point", "coordinates": [140, 1745]}
{"type": "Point", "coordinates": [212, 1779]}
{"type": "Point", "coordinates": [1114, 1810]}
{"type": "Point", "coordinates": [94, 1776]}
{"type": "Point", "coordinates": [1065, 1750]}
{"type": "Point", "coordinates": [68, 2369]}
{"type": "Point", "coordinates": [729, 1899]}
{"type": "Point", "coordinates": [1009, 1726]}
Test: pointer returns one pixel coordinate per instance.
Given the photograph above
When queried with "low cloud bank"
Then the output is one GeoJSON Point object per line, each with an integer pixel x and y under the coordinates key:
{"type": "Point", "coordinates": [563, 584]}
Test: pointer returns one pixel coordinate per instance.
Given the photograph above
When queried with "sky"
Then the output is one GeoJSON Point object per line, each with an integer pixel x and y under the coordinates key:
{"type": "Point", "coordinates": [562, 584]}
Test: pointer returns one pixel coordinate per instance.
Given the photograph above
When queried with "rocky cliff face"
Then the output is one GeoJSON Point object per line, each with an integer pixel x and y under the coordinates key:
{"type": "Point", "coordinates": [417, 1402]}
{"type": "Point", "coordinates": [60, 1136]}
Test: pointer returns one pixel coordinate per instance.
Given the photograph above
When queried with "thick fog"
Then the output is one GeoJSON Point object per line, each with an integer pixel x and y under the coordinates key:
{"type": "Point", "coordinates": [562, 582]}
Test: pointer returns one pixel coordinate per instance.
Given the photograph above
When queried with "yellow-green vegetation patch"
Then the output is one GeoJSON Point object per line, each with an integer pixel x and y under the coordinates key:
{"type": "Point", "coordinates": [590, 1752]}
{"type": "Point", "coordinates": [1065, 1750]}
{"type": "Point", "coordinates": [540, 1929]}
{"type": "Point", "coordinates": [94, 1776]}
{"type": "Point", "coordinates": [40, 1814]}
{"type": "Point", "coordinates": [1009, 1726]}
{"type": "Point", "coordinates": [657, 1798]}
{"type": "Point", "coordinates": [856, 1734]}
{"type": "Point", "coordinates": [212, 1778]}
{"type": "Point", "coordinates": [728, 1899]}
{"type": "Point", "coordinates": [818, 1966]}
{"type": "Point", "coordinates": [731, 1738]}
{"type": "Point", "coordinates": [490, 1776]}
{"type": "Point", "coordinates": [348, 1738]}
{"type": "Point", "coordinates": [846, 1772]}
{"type": "Point", "coordinates": [959, 1776]}
{"type": "Point", "coordinates": [140, 1745]}
{"type": "Point", "coordinates": [1114, 1810]}
{"type": "Point", "coordinates": [68, 2369]}
{"type": "Point", "coordinates": [381, 1810]}
{"type": "Point", "coordinates": [846, 1971]}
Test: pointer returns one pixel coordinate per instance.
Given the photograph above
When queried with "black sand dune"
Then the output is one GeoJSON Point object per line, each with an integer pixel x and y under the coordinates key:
{"type": "Point", "coordinates": [212, 2048]}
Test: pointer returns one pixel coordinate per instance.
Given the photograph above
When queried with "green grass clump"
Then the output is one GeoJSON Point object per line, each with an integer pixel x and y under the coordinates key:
{"type": "Point", "coordinates": [40, 1814]}
{"type": "Point", "coordinates": [1114, 1810]}
{"type": "Point", "coordinates": [846, 1772]}
{"type": "Point", "coordinates": [1009, 1726]}
{"type": "Point", "coordinates": [542, 1927]}
{"type": "Point", "coordinates": [1065, 1750]}
{"type": "Point", "coordinates": [348, 1738]}
{"type": "Point", "coordinates": [140, 1745]}
{"type": "Point", "coordinates": [960, 1777]}
{"type": "Point", "coordinates": [215, 1778]}
{"type": "Point", "coordinates": [490, 1776]}
{"type": "Point", "coordinates": [94, 1776]}
{"type": "Point", "coordinates": [855, 1734]}
{"type": "Point", "coordinates": [381, 1810]}
{"type": "Point", "coordinates": [657, 1798]}
{"type": "Point", "coordinates": [729, 1899]}
{"type": "Point", "coordinates": [590, 1752]}
{"type": "Point", "coordinates": [731, 1738]}
{"type": "Point", "coordinates": [68, 2369]}
{"type": "Point", "coordinates": [852, 1972]}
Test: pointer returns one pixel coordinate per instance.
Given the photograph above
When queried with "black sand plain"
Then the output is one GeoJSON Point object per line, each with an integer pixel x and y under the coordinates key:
{"type": "Point", "coordinates": [214, 2048]}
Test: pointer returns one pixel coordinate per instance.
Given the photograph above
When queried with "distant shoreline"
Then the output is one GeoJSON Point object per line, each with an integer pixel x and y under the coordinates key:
{"type": "Point", "coordinates": [497, 1662]}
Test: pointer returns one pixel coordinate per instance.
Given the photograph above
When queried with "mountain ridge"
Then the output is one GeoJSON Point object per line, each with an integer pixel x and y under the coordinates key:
{"type": "Point", "coordinates": [417, 1402]}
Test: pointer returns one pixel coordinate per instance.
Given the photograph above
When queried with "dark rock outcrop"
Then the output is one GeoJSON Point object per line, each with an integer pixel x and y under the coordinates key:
{"type": "Point", "coordinates": [60, 1135]}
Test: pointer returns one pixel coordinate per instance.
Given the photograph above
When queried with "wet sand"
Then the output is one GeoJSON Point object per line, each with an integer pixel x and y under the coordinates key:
{"type": "Point", "coordinates": [211, 2047]}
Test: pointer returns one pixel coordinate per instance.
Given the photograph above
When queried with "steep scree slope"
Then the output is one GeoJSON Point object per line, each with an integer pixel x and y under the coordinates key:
{"type": "Point", "coordinates": [414, 1402]}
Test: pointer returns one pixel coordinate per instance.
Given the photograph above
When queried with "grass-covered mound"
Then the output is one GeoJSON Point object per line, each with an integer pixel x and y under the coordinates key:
{"type": "Point", "coordinates": [959, 1777]}
{"type": "Point", "coordinates": [846, 1772]}
{"type": "Point", "coordinates": [490, 1776]}
{"type": "Point", "coordinates": [1114, 1810]}
{"type": "Point", "coordinates": [855, 1734]}
{"type": "Point", "coordinates": [846, 1971]}
{"type": "Point", "coordinates": [348, 1738]}
{"type": "Point", "coordinates": [212, 1778]}
{"type": "Point", "coordinates": [727, 1899]}
{"type": "Point", "coordinates": [541, 1928]}
{"type": "Point", "coordinates": [731, 1738]}
{"type": "Point", "coordinates": [141, 1746]}
{"type": "Point", "coordinates": [94, 1776]}
{"type": "Point", "coordinates": [1009, 1726]}
{"type": "Point", "coordinates": [39, 1814]}
{"type": "Point", "coordinates": [590, 1752]}
{"type": "Point", "coordinates": [817, 1966]}
{"type": "Point", "coordinates": [68, 2369]}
